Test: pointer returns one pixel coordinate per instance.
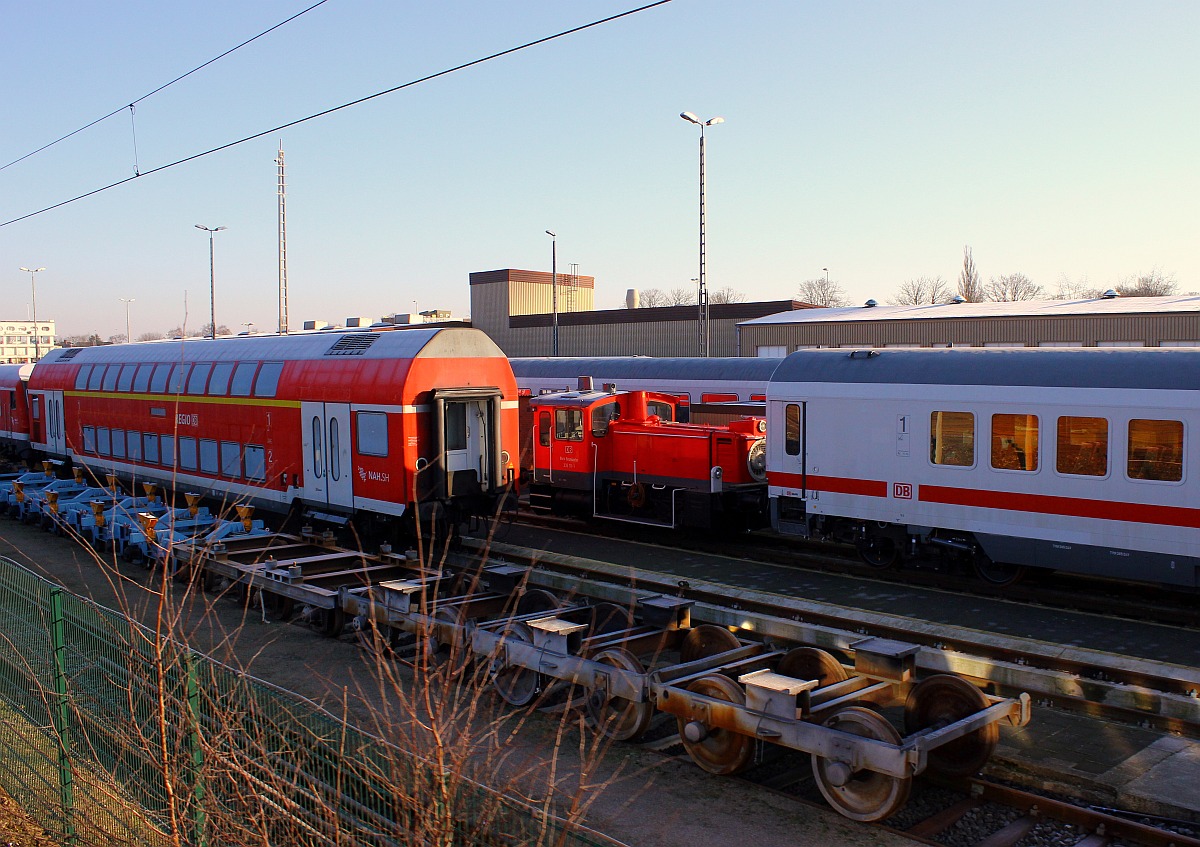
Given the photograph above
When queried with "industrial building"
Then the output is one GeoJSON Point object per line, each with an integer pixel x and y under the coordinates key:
{"type": "Point", "coordinates": [18, 345]}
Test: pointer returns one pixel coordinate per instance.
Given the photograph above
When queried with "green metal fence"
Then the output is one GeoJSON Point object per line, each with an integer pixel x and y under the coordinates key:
{"type": "Point", "coordinates": [109, 735]}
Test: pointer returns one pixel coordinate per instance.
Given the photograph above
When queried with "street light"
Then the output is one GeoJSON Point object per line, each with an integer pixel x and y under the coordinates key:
{"type": "Point", "coordinates": [212, 285]}
{"type": "Point", "coordinates": [826, 277]}
{"type": "Point", "coordinates": [553, 291]}
{"type": "Point", "coordinates": [37, 347]}
{"type": "Point", "coordinates": [128, 337]}
{"type": "Point", "coordinates": [704, 332]}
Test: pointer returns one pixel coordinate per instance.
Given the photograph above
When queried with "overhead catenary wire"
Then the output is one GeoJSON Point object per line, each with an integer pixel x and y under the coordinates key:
{"type": "Point", "coordinates": [183, 76]}
{"type": "Point", "coordinates": [333, 109]}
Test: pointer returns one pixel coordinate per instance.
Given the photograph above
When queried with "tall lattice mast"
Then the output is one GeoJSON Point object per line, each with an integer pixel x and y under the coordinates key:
{"type": "Point", "coordinates": [283, 292]}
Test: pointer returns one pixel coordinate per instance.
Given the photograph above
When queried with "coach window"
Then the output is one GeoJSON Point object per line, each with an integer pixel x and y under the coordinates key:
{"type": "Point", "coordinates": [243, 379]}
{"type": "Point", "coordinates": [791, 429]}
{"type": "Point", "coordinates": [103, 441]}
{"type": "Point", "coordinates": [141, 381]}
{"type": "Point", "coordinates": [208, 456]}
{"type": "Point", "coordinates": [335, 450]}
{"type": "Point", "coordinates": [1082, 446]}
{"type": "Point", "coordinates": [125, 382]}
{"type": "Point", "coordinates": [118, 443]}
{"type": "Point", "coordinates": [268, 379]}
{"type": "Point", "coordinates": [177, 379]}
{"type": "Point", "coordinates": [89, 439]}
{"type": "Point", "coordinates": [199, 378]}
{"type": "Point", "coordinates": [1156, 450]}
{"type": "Point", "coordinates": [544, 429]}
{"type": "Point", "coordinates": [218, 383]}
{"type": "Point", "coordinates": [602, 415]}
{"type": "Point", "coordinates": [568, 424]}
{"type": "Point", "coordinates": [1015, 442]}
{"type": "Point", "coordinates": [81, 378]}
{"type": "Point", "coordinates": [187, 453]}
{"type": "Point", "coordinates": [167, 453]}
{"type": "Point", "coordinates": [96, 379]}
{"type": "Point", "coordinates": [952, 438]}
{"type": "Point", "coordinates": [134, 448]}
{"type": "Point", "coordinates": [110, 377]}
{"type": "Point", "coordinates": [318, 460]}
{"type": "Point", "coordinates": [231, 459]}
{"type": "Point", "coordinates": [372, 433]}
{"type": "Point", "coordinates": [256, 463]}
{"type": "Point", "coordinates": [158, 382]}
{"type": "Point", "coordinates": [150, 448]}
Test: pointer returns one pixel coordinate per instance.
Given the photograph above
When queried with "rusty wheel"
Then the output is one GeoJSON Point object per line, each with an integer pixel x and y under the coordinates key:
{"type": "Point", "coordinates": [812, 663]}
{"type": "Point", "coordinates": [439, 634]}
{"type": "Point", "coordinates": [717, 750]}
{"type": "Point", "coordinates": [861, 795]}
{"type": "Point", "coordinates": [609, 617]}
{"type": "Point", "coordinates": [941, 700]}
{"type": "Point", "coordinates": [706, 640]}
{"type": "Point", "coordinates": [616, 717]}
{"type": "Point", "coordinates": [516, 685]}
{"type": "Point", "coordinates": [537, 600]}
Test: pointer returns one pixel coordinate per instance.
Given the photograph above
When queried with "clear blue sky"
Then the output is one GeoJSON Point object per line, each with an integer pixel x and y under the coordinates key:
{"type": "Point", "coordinates": [873, 138]}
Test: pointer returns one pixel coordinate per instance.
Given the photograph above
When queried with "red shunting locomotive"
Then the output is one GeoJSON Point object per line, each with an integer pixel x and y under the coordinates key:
{"type": "Point", "coordinates": [627, 457]}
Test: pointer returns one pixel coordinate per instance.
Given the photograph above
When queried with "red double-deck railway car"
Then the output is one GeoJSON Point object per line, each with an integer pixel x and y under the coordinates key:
{"type": "Point", "coordinates": [626, 457]}
{"type": "Point", "coordinates": [341, 423]}
{"type": "Point", "coordinates": [14, 410]}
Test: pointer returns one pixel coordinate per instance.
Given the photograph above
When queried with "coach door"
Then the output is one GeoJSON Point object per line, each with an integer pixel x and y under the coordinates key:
{"type": "Point", "coordinates": [46, 419]}
{"type": "Point", "coordinates": [328, 473]}
{"type": "Point", "coordinates": [795, 446]}
{"type": "Point", "coordinates": [468, 422]}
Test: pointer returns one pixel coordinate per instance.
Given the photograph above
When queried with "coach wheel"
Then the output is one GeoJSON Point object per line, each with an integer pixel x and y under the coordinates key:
{"type": "Point", "coordinates": [878, 551]}
{"type": "Point", "coordinates": [277, 607]}
{"type": "Point", "coordinates": [439, 635]}
{"type": "Point", "coordinates": [636, 496]}
{"type": "Point", "coordinates": [608, 618]}
{"type": "Point", "coordinates": [861, 795]}
{"type": "Point", "coordinates": [328, 622]}
{"type": "Point", "coordinates": [706, 640]}
{"type": "Point", "coordinates": [515, 684]}
{"type": "Point", "coordinates": [719, 751]}
{"type": "Point", "coordinates": [616, 717]}
{"type": "Point", "coordinates": [941, 700]}
{"type": "Point", "coordinates": [811, 663]}
{"type": "Point", "coordinates": [998, 573]}
{"type": "Point", "coordinates": [537, 600]}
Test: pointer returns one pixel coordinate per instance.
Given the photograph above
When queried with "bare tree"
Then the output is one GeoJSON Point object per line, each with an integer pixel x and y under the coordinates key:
{"type": "Point", "coordinates": [1153, 284]}
{"type": "Point", "coordinates": [681, 297]}
{"type": "Point", "coordinates": [822, 292]}
{"type": "Point", "coordinates": [922, 290]}
{"type": "Point", "coordinates": [1075, 289]}
{"type": "Point", "coordinates": [151, 336]}
{"type": "Point", "coordinates": [1011, 288]}
{"type": "Point", "coordinates": [970, 286]}
{"type": "Point", "coordinates": [648, 298]}
{"type": "Point", "coordinates": [726, 295]}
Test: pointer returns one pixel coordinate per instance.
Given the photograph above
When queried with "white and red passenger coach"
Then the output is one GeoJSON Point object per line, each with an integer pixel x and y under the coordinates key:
{"type": "Point", "coordinates": [343, 423]}
{"type": "Point", "coordinates": [14, 410]}
{"type": "Point", "coordinates": [1076, 460]}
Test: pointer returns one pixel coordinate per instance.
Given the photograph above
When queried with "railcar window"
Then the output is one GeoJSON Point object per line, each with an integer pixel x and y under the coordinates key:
{"type": "Point", "coordinates": [218, 383]}
{"type": "Point", "coordinates": [665, 411]}
{"type": "Point", "coordinates": [1015, 442]}
{"type": "Point", "coordinates": [12, 400]}
{"type": "Point", "coordinates": [125, 382]}
{"type": "Point", "coordinates": [317, 455]}
{"type": "Point", "coordinates": [1082, 446]}
{"type": "Point", "coordinates": [167, 442]}
{"type": "Point", "coordinates": [456, 426]}
{"type": "Point", "coordinates": [1156, 450]}
{"type": "Point", "coordinates": [952, 438]}
{"type": "Point", "coordinates": [177, 379]}
{"type": "Point", "coordinates": [544, 429]}
{"type": "Point", "coordinates": [791, 429]}
{"type": "Point", "coordinates": [89, 439]}
{"type": "Point", "coordinates": [118, 443]}
{"type": "Point", "coordinates": [96, 379]}
{"type": "Point", "coordinates": [187, 453]}
{"type": "Point", "coordinates": [35, 408]}
{"type": "Point", "coordinates": [158, 382]}
{"type": "Point", "coordinates": [150, 448]}
{"type": "Point", "coordinates": [243, 379]}
{"type": "Point", "coordinates": [208, 455]}
{"type": "Point", "coordinates": [110, 377]}
{"type": "Point", "coordinates": [141, 381]}
{"type": "Point", "coordinates": [256, 463]}
{"type": "Point", "coordinates": [103, 441]}
{"type": "Point", "coordinates": [372, 433]}
{"type": "Point", "coordinates": [268, 379]}
{"type": "Point", "coordinates": [335, 450]}
{"type": "Point", "coordinates": [134, 448]}
{"type": "Point", "coordinates": [568, 424]}
{"type": "Point", "coordinates": [231, 459]}
{"type": "Point", "coordinates": [199, 379]}
{"type": "Point", "coordinates": [81, 378]}
{"type": "Point", "coordinates": [602, 415]}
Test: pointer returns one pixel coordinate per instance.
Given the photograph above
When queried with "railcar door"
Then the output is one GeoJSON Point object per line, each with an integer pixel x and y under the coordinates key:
{"type": "Point", "coordinates": [795, 446]}
{"type": "Point", "coordinates": [56, 440]}
{"type": "Point", "coordinates": [467, 429]}
{"type": "Point", "coordinates": [328, 473]}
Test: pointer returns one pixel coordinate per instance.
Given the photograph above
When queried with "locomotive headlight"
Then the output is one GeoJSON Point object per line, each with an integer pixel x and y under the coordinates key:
{"type": "Point", "coordinates": [756, 460]}
{"type": "Point", "coordinates": [762, 426]}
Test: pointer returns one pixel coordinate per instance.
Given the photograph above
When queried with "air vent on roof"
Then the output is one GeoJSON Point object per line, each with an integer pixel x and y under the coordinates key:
{"type": "Point", "coordinates": [70, 354]}
{"type": "Point", "coordinates": [353, 344]}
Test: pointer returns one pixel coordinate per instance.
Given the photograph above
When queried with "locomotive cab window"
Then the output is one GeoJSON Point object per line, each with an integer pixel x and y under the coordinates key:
{"type": "Point", "coordinates": [372, 433]}
{"type": "Point", "coordinates": [952, 439]}
{"type": "Point", "coordinates": [664, 411]}
{"type": "Point", "coordinates": [1155, 450]}
{"type": "Point", "coordinates": [568, 424]}
{"type": "Point", "coordinates": [1082, 446]}
{"type": "Point", "coordinates": [602, 415]}
{"type": "Point", "coordinates": [1015, 442]}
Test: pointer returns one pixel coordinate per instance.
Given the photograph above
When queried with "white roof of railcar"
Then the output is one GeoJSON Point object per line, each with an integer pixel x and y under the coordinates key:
{"type": "Point", "coordinates": [1082, 367]}
{"type": "Point", "coordinates": [1022, 308]}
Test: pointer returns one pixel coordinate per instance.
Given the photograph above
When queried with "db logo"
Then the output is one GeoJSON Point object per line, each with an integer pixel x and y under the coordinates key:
{"type": "Point", "coordinates": [902, 490]}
